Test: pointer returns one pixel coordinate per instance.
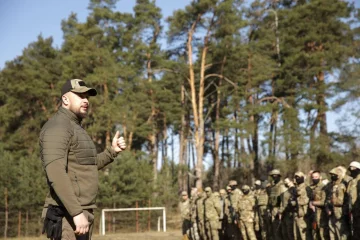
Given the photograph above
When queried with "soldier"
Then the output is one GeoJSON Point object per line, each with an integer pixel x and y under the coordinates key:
{"type": "Point", "coordinates": [212, 213]}
{"type": "Point", "coordinates": [345, 178]}
{"type": "Point", "coordinates": [185, 215]}
{"type": "Point", "coordinates": [194, 231]}
{"type": "Point", "coordinates": [200, 214]}
{"type": "Point", "coordinates": [353, 191]}
{"type": "Point", "coordinates": [246, 206]}
{"type": "Point", "coordinates": [261, 202]}
{"type": "Point", "coordinates": [286, 210]}
{"type": "Point", "coordinates": [320, 220]}
{"type": "Point", "coordinates": [276, 190]}
{"type": "Point", "coordinates": [334, 206]}
{"type": "Point", "coordinates": [301, 204]}
{"type": "Point", "coordinates": [232, 231]}
{"type": "Point", "coordinates": [223, 218]}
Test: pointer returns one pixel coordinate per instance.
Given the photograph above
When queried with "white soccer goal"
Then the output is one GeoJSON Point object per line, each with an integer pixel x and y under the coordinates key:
{"type": "Point", "coordinates": [102, 226]}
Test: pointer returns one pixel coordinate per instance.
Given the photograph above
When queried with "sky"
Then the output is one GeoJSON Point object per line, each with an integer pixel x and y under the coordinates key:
{"type": "Point", "coordinates": [21, 21]}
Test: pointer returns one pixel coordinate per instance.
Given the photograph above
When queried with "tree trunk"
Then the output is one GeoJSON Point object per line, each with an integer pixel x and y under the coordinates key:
{"type": "Point", "coordinates": [19, 224]}
{"type": "Point", "coordinates": [254, 121]}
{"type": "Point", "coordinates": [27, 224]}
{"type": "Point", "coordinates": [6, 213]}
{"type": "Point", "coordinates": [197, 103]}
{"type": "Point", "coordinates": [182, 144]}
{"type": "Point", "coordinates": [217, 132]}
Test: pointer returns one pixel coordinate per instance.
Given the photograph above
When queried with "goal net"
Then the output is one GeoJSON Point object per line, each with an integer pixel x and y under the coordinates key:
{"type": "Point", "coordinates": [137, 217]}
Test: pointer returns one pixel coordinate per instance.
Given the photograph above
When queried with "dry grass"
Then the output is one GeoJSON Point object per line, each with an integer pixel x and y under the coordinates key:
{"type": "Point", "coordinates": [171, 235]}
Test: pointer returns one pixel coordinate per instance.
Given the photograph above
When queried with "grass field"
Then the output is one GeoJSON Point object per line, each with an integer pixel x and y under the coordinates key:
{"type": "Point", "coordinates": [170, 235]}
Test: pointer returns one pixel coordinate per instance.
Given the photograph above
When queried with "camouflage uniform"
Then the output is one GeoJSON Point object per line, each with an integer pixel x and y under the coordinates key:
{"type": "Point", "coordinates": [353, 192]}
{"type": "Point", "coordinates": [185, 215]}
{"type": "Point", "coordinates": [212, 211]}
{"type": "Point", "coordinates": [232, 230]}
{"type": "Point", "coordinates": [261, 216]}
{"type": "Point", "coordinates": [194, 231]}
{"type": "Point", "coordinates": [302, 201]}
{"type": "Point", "coordinates": [335, 204]}
{"type": "Point", "coordinates": [223, 217]}
{"type": "Point", "coordinates": [321, 218]}
{"type": "Point", "coordinates": [200, 214]}
{"type": "Point", "coordinates": [286, 211]}
{"type": "Point", "coordinates": [246, 206]}
{"type": "Point", "coordinates": [274, 203]}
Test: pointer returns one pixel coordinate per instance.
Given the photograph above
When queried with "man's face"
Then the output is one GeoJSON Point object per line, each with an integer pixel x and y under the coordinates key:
{"type": "Point", "coordinates": [208, 193]}
{"type": "Point", "coordinates": [78, 103]}
{"type": "Point", "coordinates": [184, 197]}
{"type": "Point", "coordinates": [315, 176]}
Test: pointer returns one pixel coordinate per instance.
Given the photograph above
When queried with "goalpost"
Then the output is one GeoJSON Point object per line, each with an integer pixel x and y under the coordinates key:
{"type": "Point", "coordinates": [103, 211]}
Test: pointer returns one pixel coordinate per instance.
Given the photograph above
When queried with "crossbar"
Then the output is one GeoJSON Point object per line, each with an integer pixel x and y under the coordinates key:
{"type": "Point", "coordinates": [130, 209]}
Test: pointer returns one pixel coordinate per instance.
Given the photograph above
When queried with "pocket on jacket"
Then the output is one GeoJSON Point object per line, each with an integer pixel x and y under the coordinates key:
{"type": "Point", "coordinates": [75, 183]}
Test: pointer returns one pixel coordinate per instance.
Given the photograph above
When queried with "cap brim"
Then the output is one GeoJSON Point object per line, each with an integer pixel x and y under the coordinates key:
{"type": "Point", "coordinates": [91, 91]}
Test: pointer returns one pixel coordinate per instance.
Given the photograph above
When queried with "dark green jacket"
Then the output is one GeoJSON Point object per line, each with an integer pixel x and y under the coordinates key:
{"type": "Point", "coordinates": [71, 163]}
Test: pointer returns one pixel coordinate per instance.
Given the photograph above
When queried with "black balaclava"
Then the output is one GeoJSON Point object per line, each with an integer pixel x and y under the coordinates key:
{"type": "Point", "coordinates": [334, 177]}
{"type": "Point", "coordinates": [299, 180]}
{"type": "Point", "coordinates": [276, 178]}
{"type": "Point", "coordinates": [316, 181]}
{"type": "Point", "coordinates": [233, 187]}
{"type": "Point", "coordinates": [354, 173]}
{"type": "Point", "coordinates": [246, 192]}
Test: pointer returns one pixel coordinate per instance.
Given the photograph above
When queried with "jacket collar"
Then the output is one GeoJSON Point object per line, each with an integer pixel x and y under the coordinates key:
{"type": "Point", "coordinates": [69, 114]}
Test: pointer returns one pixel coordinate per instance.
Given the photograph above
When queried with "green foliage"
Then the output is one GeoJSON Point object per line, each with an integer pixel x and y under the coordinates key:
{"type": "Point", "coordinates": [273, 72]}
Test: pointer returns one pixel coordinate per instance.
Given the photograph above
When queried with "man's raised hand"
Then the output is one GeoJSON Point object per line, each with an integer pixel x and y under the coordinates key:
{"type": "Point", "coordinates": [118, 143]}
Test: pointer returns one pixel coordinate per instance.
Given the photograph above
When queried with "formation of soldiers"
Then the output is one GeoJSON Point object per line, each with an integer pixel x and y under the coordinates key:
{"type": "Point", "coordinates": [284, 209]}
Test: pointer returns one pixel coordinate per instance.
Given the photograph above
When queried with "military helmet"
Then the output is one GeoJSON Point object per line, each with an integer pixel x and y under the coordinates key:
{"type": "Point", "coordinates": [274, 172]}
{"type": "Point", "coordinates": [299, 174]}
{"type": "Point", "coordinates": [258, 182]}
{"type": "Point", "coordinates": [245, 187]}
{"type": "Point", "coordinates": [184, 193]}
{"type": "Point", "coordinates": [222, 191]}
{"type": "Point", "coordinates": [336, 171]}
{"type": "Point", "coordinates": [208, 189]}
{"type": "Point", "coordinates": [355, 164]}
{"type": "Point", "coordinates": [233, 182]}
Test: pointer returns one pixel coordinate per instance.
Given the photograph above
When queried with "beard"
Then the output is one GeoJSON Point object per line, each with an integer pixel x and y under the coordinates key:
{"type": "Point", "coordinates": [80, 112]}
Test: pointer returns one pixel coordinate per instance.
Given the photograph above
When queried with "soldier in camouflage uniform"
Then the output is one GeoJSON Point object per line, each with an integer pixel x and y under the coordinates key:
{"type": "Point", "coordinates": [261, 202]}
{"type": "Point", "coordinates": [194, 231]}
{"type": "Point", "coordinates": [286, 210]}
{"type": "Point", "coordinates": [345, 178]}
{"type": "Point", "coordinates": [223, 218]}
{"type": "Point", "coordinates": [301, 203]}
{"type": "Point", "coordinates": [200, 214]}
{"type": "Point", "coordinates": [276, 189]}
{"type": "Point", "coordinates": [232, 231]}
{"type": "Point", "coordinates": [320, 225]}
{"type": "Point", "coordinates": [334, 206]}
{"type": "Point", "coordinates": [353, 192]}
{"type": "Point", "coordinates": [185, 215]}
{"type": "Point", "coordinates": [212, 211]}
{"type": "Point", "coordinates": [246, 206]}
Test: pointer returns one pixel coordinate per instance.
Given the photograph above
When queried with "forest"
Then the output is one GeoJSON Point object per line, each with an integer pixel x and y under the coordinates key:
{"type": "Point", "coordinates": [220, 90]}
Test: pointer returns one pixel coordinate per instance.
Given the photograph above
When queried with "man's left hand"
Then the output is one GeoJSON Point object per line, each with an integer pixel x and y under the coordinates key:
{"type": "Point", "coordinates": [118, 143]}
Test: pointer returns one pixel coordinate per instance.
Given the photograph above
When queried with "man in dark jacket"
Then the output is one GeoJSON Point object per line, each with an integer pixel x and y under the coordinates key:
{"type": "Point", "coordinates": [71, 164]}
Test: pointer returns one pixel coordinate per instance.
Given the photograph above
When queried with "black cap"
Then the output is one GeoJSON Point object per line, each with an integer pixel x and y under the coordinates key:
{"type": "Point", "coordinates": [77, 86]}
